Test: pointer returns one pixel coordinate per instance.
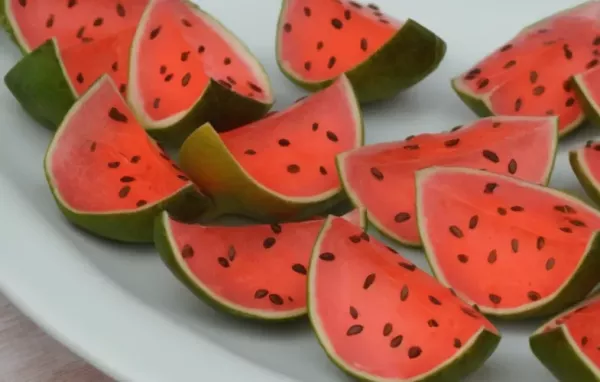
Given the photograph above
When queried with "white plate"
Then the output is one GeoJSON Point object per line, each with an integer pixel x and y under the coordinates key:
{"type": "Point", "coordinates": [121, 309]}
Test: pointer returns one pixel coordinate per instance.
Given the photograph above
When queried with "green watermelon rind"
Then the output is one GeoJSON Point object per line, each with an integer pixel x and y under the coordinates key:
{"type": "Point", "coordinates": [573, 290]}
{"type": "Point", "coordinates": [471, 357]}
{"type": "Point", "coordinates": [205, 146]}
{"type": "Point", "coordinates": [583, 174]}
{"type": "Point", "coordinates": [394, 67]}
{"type": "Point", "coordinates": [372, 221]}
{"type": "Point", "coordinates": [135, 226]}
{"type": "Point", "coordinates": [481, 107]}
{"type": "Point", "coordinates": [170, 255]}
{"type": "Point", "coordinates": [213, 106]}
{"type": "Point", "coordinates": [39, 83]}
{"type": "Point", "coordinates": [558, 351]}
{"type": "Point", "coordinates": [591, 108]}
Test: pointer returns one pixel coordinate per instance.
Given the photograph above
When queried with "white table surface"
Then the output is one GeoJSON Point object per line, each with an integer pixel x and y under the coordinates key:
{"type": "Point", "coordinates": [27, 354]}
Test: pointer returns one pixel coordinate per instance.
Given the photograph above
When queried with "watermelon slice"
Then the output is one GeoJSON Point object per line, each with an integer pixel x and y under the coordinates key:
{"type": "Point", "coordinates": [283, 166]}
{"type": "Point", "coordinates": [108, 176]}
{"type": "Point", "coordinates": [255, 271]}
{"type": "Point", "coordinates": [73, 44]}
{"type": "Point", "coordinates": [380, 318]}
{"type": "Point", "coordinates": [584, 164]}
{"type": "Point", "coordinates": [319, 40]}
{"type": "Point", "coordinates": [528, 250]}
{"type": "Point", "coordinates": [587, 87]}
{"type": "Point", "coordinates": [532, 73]}
{"type": "Point", "coordinates": [567, 344]}
{"type": "Point", "coordinates": [373, 174]}
{"type": "Point", "coordinates": [180, 50]}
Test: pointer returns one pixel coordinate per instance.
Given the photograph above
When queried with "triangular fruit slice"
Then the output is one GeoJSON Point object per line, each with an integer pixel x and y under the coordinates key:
{"type": "Point", "coordinates": [188, 69]}
{"type": "Point", "coordinates": [283, 166]}
{"type": "Point", "coordinates": [254, 271]}
{"type": "Point", "coordinates": [73, 43]}
{"type": "Point", "coordinates": [379, 317]}
{"type": "Point", "coordinates": [108, 176]}
{"type": "Point", "coordinates": [380, 177]}
{"type": "Point", "coordinates": [584, 162]}
{"type": "Point", "coordinates": [532, 73]}
{"type": "Point", "coordinates": [526, 250]}
{"type": "Point", "coordinates": [319, 40]}
{"type": "Point", "coordinates": [569, 344]}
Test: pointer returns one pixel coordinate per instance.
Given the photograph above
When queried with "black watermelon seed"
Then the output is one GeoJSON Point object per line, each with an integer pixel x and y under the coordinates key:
{"type": "Point", "coordinates": [121, 10]}
{"type": "Point", "coordinates": [596, 40]}
{"type": "Point", "coordinates": [127, 179]}
{"type": "Point", "coordinates": [117, 116]}
{"type": "Point", "coordinates": [567, 52]}
{"type": "Point", "coordinates": [231, 80]}
{"type": "Point", "coordinates": [331, 62]}
{"type": "Point", "coordinates": [514, 245]}
{"type": "Point", "coordinates": [496, 124]}
{"type": "Point", "coordinates": [163, 69]}
{"type": "Point", "coordinates": [495, 299]}
{"type": "Point", "coordinates": [320, 45]}
{"type": "Point", "coordinates": [250, 152]}
{"type": "Point", "coordinates": [473, 221]}
{"type": "Point", "coordinates": [365, 236]}
{"type": "Point", "coordinates": [483, 83]}
{"type": "Point", "coordinates": [93, 147]}
{"type": "Point", "coordinates": [183, 177]}
{"type": "Point", "coordinates": [591, 64]}
{"type": "Point", "coordinates": [533, 295]}
{"type": "Point", "coordinates": [474, 72]}
{"type": "Point", "coordinates": [261, 293]}
{"type": "Point", "coordinates": [396, 341]}
{"type": "Point", "coordinates": [414, 352]}
{"type": "Point", "coordinates": [510, 64]}
{"type": "Point", "coordinates": [401, 217]}
{"type": "Point", "coordinates": [231, 253]}
{"type": "Point", "coordinates": [315, 126]}
{"type": "Point", "coordinates": [489, 188]}
{"type": "Point", "coordinates": [434, 300]}
{"type": "Point", "coordinates": [337, 23]}
{"type": "Point", "coordinates": [355, 239]}
{"type": "Point", "coordinates": [364, 44]}
{"type": "Point", "coordinates": [50, 21]}
{"type": "Point", "coordinates": [354, 330]}
{"type": "Point", "coordinates": [347, 14]}
{"type": "Point", "coordinates": [123, 88]}
{"type": "Point", "coordinates": [276, 228]}
{"type": "Point", "coordinates": [569, 209]}
{"type": "Point", "coordinates": [409, 138]}
{"type": "Point", "coordinates": [567, 86]}
{"type": "Point", "coordinates": [384, 21]}
{"type": "Point", "coordinates": [566, 229]}
{"type": "Point", "coordinates": [141, 203]}
{"type": "Point", "coordinates": [255, 87]}
{"type": "Point", "coordinates": [433, 323]}
{"type": "Point", "coordinates": [283, 142]}
{"type": "Point", "coordinates": [276, 299]}
{"type": "Point", "coordinates": [549, 112]}
{"type": "Point", "coordinates": [156, 103]}
{"type": "Point", "coordinates": [455, 128]}
{"type": "Point", "coordinates": [452, 142]}
{"type": "Point", "coordinates": [227, 61]}
{"type": "Point", "coordinates": [463, 258]}
{"type": "Point", "coordinates": [469, 312]}
{"type": "Point", "coordinates": [307, 66]}
{"type": "Point", "coordinates": [491, 156]}
{"type": "Point", "coordinates": [457, 343]}
{"type": "Point", "coordinates": [327, 256]}
{"type": "Point", "coordinates": [307, 12]}
{"type": "Point", "coordinates": [154, 32]}
{"type": "Point", "coordinates": [287, 27]}
{"type": "Point", "coordinates": [269, 242]}
{"type": "Point", "coordinates": [223, 262]}
{"type": "Point", "coordinates": [293, 169]}
{"type": "Point", "coordinates": [226, 84]}
{"type": "Point", "coordinates": [506, 47]}
{"type": "Point", "coordinates": [408, 266]}
{"type": "Point", "coordinates": [185, 55]}
{"type": "Point", "coordinates": [353, 312]}
{"type": "Point", "coordinates": [455, 231]}
{"type": "Point", "coordinates": [331, 136]}
{"type": "Point", "coordinates": [492, 256]}
{"type": "Point", "coordinates": [411, 147]}
{"type": "Point", "coordinates": [387, 329]}
{"type": "Point", "coordinates": [512, 166]}
{"type": "Point", "coordinates": [290, 299]}
{"type": "Point", "coordinates": [538, 90]}
{"type": "Point", "coordinates": [570, 102]}
{"type": "Point", "coordinates": [23, 3]}
{"type": "Point", "coordinates": [187, 251]}
{"type": "Point", "coordinates": [114, 164]}
{"type": "Point", "coordinates": [355, 4]}
{"type": "Point", "coordinates": [584, 341]}
{"type": "Point", "coordinates": [369, 280]}
{"type": "Point", "coordinates": [80, 32]}
{"type": "Point", "coordinates": [404, 293]}
{"type": "Point", "coordinates": [518, 104]}
{"type": "Point", "coordinates": [560, 209]}
{"type": "Point", "coordinates": [322, 170]}
{"type": "Point", "coordinates": [540, 243]}
{"type": "Point", "coordinates": [577, 223]}
{"type": "Point", "coordinates": [377, 174]}
{"type": "Point", "coordinates": [86, 40]}
{"type": "Point", "coordinates": [517, 209]}
{"type": "Point", "coordinates": [391, 249]}
{"type": "Point", "coordinates": [373, 6]}
{"type": "Point", "coordinates": [201, 49]}
{"type": "Point", "coordinates": [533, 76]}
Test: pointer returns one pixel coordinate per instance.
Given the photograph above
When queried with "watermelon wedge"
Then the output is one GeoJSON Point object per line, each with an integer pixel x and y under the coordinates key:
{"type": "Point", "coordinates": [380, 318]}
{"type": "Point", "coordinates": [69, 45]}
{"type": "Point", "coordinates": [373, 174]}
{"type": "Point", "coordinates": [584, 164]}
{"type": "Point", "coordinates": [586, 87]}
{"type": "Point", "coordinates": [108, 177]}
{"type": "Point", "coordinates": [528, 250]}
{"type": "Point", "coordinates": [188, 69]}
{"type": "Point", "coordinates": [255, 271]}
{"type": "Point", "coordinates": [568, 346]}
{"type": "Point", "coordinates": [281, 167]}
{"type": "Point", "coordinates": [532, 73]}
{"type": "Point", "coordinates": [319, 40]}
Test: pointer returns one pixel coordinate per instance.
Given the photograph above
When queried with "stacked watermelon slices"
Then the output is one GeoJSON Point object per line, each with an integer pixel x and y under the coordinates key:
{"type": "Point", "coordinates": [118, 79]}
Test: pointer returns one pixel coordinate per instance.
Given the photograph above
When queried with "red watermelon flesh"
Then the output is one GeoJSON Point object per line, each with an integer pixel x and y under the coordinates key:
{"type": "Point", "coordinates": [345, 32]}
{"type": "Point", "coordinates": [531, 74]}
{"type": "Point", "coordinates": [179, 48]}
{"type": "Point", "coordinates": [372, 175]}
{"type": "Point", "coordinates": [528, 250]}
{"type": "Point", "coordinates": [379, 317]}
{"type": "Point", "coordinates": [255, 271]}
{"type": "Point", "coordinates": [94, 37]}
{"type": "Point", "coordinates": [103, 161]}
